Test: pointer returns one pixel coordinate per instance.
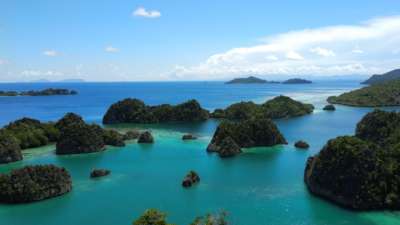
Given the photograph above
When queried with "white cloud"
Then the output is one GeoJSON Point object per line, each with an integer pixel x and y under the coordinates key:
{"type": "Point", "coordinates": [111, 49]}
{"type": "Point", "coordinates": [49, 53]}
{"type": "Point", "coordinates": [141, 12]}
{"type": "Point", "coordinates": [321, 51]}
{"type": "Point", "coordinates": [31, 73]}
{"type": "Point", "coordinates": [294, 55]}
{"type": "Point", "coordinates": [359, 51]}
{"type": "Point", "coordinates": [271, 57]}
{"type": "Point", "coordinates": [4, 62]}
{"type": "Point", "coordinates": [79, 67]}
{"type": "Point", "coordinates": [396, 51]}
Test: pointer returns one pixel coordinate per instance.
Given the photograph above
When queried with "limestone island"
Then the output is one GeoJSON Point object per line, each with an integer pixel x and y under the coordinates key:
{"type": "Point", "coordinates": [250, 80]}
{"type": "Point", "coordinates": [392, 75]}
{"type": "Point", "coordinates": [297, 81]}
{"type": "Point", "coordinates": [376, 95]}
{"type": "Point", "coordinates": [329, 107]}
{"type": "Point", "coordinates": [34, 183]}
{"type": "Point", "coordinates": [278, 107]}
{"type": "Point", "coordinates": [254, 132]}
{"type": "Point", "coordinates": [9, 149]}
{"type": "Point", "coordinates": [191, 178]}
{"type": "Point", "coordinates": [48, 91]}
{"type": "Point", "coordinates": [188, 137]}
{"type": "Point", "coordinates": [301, 144]}
{"type": "Point", "coordinates": [135, 111]}
{"type": "Point", "coordinates": [362, 171]}
{"type": "Point", "coordinates": [99, 172]}
{"type": "Point", "coordinates": [146, 137]}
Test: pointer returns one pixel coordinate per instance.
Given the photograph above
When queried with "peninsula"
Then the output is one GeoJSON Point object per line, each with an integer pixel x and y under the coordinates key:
{"type": "Point", "coordinates": [392, 75]}
{"type": "Point", "coordinates": [48, 91]}
{"type": "Point", "coordinates": [250, 80]}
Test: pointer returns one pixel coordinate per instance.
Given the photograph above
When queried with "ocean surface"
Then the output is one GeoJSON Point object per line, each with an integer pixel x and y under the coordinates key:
{"type": "Point", "coordinates": [261, 186]}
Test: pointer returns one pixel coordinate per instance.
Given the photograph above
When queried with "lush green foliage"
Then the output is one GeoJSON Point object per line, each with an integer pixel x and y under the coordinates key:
{"type": "Point", "coordinates": [146, 137]}
{"type": "Point", "coordinates": [380, 94]}
{"type": "Point", "coordinates": [129, 135]}
{"type": "Point", "coordinates": [9, 149]}
{"type": "Point", "coordinates": [329, 107]}
{"type": "Point", "coordinates": [48, 91]}
{"type": "Point", "coordinates": [135, 111]}
{"type": "Point", "coordinates": [250, 80]}
{"type": "Point", "coordinates": [68, 119]}
{"type": "Point", "coordinates": [301, 144]}
{"type": "Point", "coordinates": [229, 148]}
{"type": "Point", "coordinates": [297, 81]}
{"type": "Point", "coordinates": [278, 107]}
{"type": "Point", "coordinates": [392, 75]}
{"type": "Point", "coordinates": [8, 93]}
{"type": "Point", "coordinates": [221, 218]}
{"type": "Point", "coordinates": [31, 133]}
{"type": "Point", "coordinates": [33, 183]}
{"type": "Point", "coordinates": [152, 217]}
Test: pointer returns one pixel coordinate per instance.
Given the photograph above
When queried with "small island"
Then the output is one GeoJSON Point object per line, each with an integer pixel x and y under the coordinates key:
{"type": "Point", "coordinates": [254, 132]}
{"type": "Point", "coordinates": [297, 81]}
{"type": "Point", "coordinates": [376, 95]}
{"type": "Point", "coordinates": [9, 149]}
{"type": "Point", "coordinates": [99, 173]}
{"type": "Point", "coordinates": [34, 183]}
{"type": "Point", "coordinates": [329, 107]}
{"type": "Point", "coordinates": [188, 137]}
{"type": "Point", "coordinates": [301, 144]}
{"type": "Point", "coordinates": [250, 80]}
{"type": "Point", "coordinates": [392, 75]}
{"type": "Point", "coordinates": [146, 137]}
{"type": "Point", "coordinates": [48, 91]}
{"type": "Point", "coordinates": [191, 178]}
{"type": "Point", "coordinates": [360, 171]}
{"type": "Point", "coordinates": [278, 107]}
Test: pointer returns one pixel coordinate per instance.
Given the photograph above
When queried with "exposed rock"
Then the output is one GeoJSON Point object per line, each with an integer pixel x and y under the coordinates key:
{"type": "Point", "coordinates": [191, 178]}
{"type": "Point", "coordinates": [146, 137]}
{"type": "Point", "coordinates": [78, 138]}
{"type": "Point", "coordinates": [301, 144]}
{"type": "Point", "coordinates": [229, 148]}
{"type": "Point", "coordinates": [73, 92]}
{"type": "Point", "coordinates": [135, 111]}
{"type": "Point", "coordinates": [213, 148]}
{"type": "Point", "coordinates": [34, 183]}
{"type": "Point", "coordinates": [188, 137]}
{"type": "Point", "coordinates": [329, 107]}
{"type": "Point", "coordinates": [9, 149]}
{"type": "Point", "coordinates": [130, 135]}
{"type": "Point", "coordinates": [99, 172]}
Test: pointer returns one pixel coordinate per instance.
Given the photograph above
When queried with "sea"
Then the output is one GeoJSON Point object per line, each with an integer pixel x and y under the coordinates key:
{"type": "Point", "coordinates": [262, 185]}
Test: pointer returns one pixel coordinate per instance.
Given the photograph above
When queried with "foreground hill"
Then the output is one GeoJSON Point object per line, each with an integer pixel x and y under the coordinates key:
{"type": "Point", "coordinates": [392, 75]}
{"type": "Point", "coordinates": [250, 80]}
{"type": "Point", "coordinates": [381, 94]}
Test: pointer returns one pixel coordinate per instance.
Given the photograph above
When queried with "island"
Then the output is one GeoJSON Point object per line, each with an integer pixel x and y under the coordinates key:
{"type": "Point", "coordinates": [250, 80]}
{"type": "Point", "coordinates": [360, 171]}
{"type": "Point", "coordinates": [135, 111]}
{"type": "Point", "coordinates": [191, 178]}
{"type": "Point", "coordinates": [297, 81]}
{"type": "Point", "coordinates": [99, 173]}
{"type": "Point", "coordinates": [146, 137]}
{"type": "Point", "coordinates": [34, 183]}
{"type": "Point", "coordinates": [254, 132]}
{"type": "Point", "coordinates": [9, 149]}
{"type": "Point", "coordinates": [392, 75]}
{"type": "Point", "coordinates": [130, 135]}
{"type": "Point", "coordinates": [278, 107]}
{"type": "Point", "coordinates": [376, 95]}
{"type": "Point", "coordinates": [48, 91]}
{"type": "Point", "coordinates": [188, 137]}
{"type": "Point", "coordinates": [301, 144]}
{"type": "Point", "coordinates": [329, 107]}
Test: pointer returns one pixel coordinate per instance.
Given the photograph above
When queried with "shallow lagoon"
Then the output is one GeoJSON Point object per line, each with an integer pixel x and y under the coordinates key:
{"type": "Point", "coordinates": [262, 185]}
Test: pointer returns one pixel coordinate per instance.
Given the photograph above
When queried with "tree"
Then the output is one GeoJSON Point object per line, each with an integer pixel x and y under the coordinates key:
{"type": "Point", "coordinates": [152, 217]}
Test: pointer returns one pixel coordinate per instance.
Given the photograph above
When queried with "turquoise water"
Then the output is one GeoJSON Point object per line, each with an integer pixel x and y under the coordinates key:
{"type": "Point", "coordinates": [261, 186]}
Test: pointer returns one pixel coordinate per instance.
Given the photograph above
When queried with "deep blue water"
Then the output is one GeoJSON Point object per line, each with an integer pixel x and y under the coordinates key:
{"type": "Point", "coordinates": [260, 186]}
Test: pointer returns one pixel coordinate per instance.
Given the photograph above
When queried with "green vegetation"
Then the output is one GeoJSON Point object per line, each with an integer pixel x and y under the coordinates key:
{"type": "Point", "coordinates": [250, 80]}
{"type": "Point", "coordinates": [191, 178]}
{"type": "Point", "coordinates": [375, 95]}
{"type": "Point", "coordinates": [34, 183]}
{"type": "Point", "coordinates": [229, 148]}
{"type": "Point", "coordinates": [30, 133]}
{"type": "Point", "coordinates": [362, 171]}
{"type": "Point", "coordinates": [329, 107]}
{"type": "Point", "coordinates": [67, 120]}
{"type": "Point", "coordinates": [146, 137]}
{"type": "Point", "coordinates": [152, 217]}
{"type": "Point", "coordinates": [301, 144]}
{"type": "Point", "coordinates": [278, 107]}
{"type": "Point", "coordinates": [129, 135]}
{"type": "Point", "coordinates": [8, 93]}
{"type": "Point", "coordinates": [135, 111]}
{"type": "Point", "coordinates": [48, 91]}
{"type": "Point", "coordinates": [188, 137]}
{"type": "Point", "coordinates": [297, 81]}
{"type": "Point", "coordinates": [99, 172]}
{"type": "Point", "coordinates": [392, 75]}
{"type": "Point", "coordinates": [9, 149]}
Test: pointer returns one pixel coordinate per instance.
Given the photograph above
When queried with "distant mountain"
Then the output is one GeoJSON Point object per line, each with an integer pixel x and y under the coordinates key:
{"type": "Point", "coordinates": [40, 81]}
{"type": "Point", "coordinates": [250, 80]}
{"type": "Point", "coordinates": [297, 81]}
{"type": "Point", "coordinates": [392, 75]}
{"type": "Point", "coordinates": [72, 80]}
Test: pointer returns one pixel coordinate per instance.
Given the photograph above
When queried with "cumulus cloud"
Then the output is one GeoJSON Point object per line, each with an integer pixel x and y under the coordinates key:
{"type": "Point", "coordinates": [321, 51]}
{"type": "Point", "coordinates": [281, 53]}
{"type": "Point", "coordinates": [49, 53]}
{"type": "Point", "coordinates": [111, 49]}
{"type": "Point", "coordinates": [79, 67]}
{"type": "Point", "coordinates": [32, 73]}
{"type": "Point", "coordinates": [396, 51]}
{"type": "Point", "coordinates": [141, 12]}
{"type": "Point", "coordinates": [294, 55]}
{"type": "Point", "coordinates": [4, 62]}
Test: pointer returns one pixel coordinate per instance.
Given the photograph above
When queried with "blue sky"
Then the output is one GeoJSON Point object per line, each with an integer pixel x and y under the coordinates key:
{"type": "Point", "coordinates": [195, 40]}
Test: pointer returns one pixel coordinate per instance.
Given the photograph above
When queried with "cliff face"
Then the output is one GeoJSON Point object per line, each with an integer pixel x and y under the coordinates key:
{"type": "Point", "coordinates": [362, 172]}
{"type": "Point", "coordinates": [135, 111]}
{"type": "Point", "coordinates": [9, 149]}
{"type": "Point", "coordinates": [34, 183]}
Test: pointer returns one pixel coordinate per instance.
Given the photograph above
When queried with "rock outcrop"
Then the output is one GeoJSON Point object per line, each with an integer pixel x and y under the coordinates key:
{"type": "Point", "coordinates": [329, 107]}
{"type": "Point", "coordinates": [34, 183]}
{"type": "Point", "coordinates": [188, 137]}
{"type": "Point", "coordinates": [301, 144]}
{"type": "Point", "coordinates": [229, 148]}
{"type": "Point", "coordinates": [130, 135]}
{"type": "Point", "coordinates": [9, 149]}
{"type": "Point", "coordinates": [191, 178]}
{"type": "Point", "coordinates": [146, 137]}
{"type": "Point", "coordinates": [99, 173]}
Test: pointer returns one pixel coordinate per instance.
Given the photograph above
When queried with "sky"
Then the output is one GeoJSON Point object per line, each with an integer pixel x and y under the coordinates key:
{"type": "Point", "coordinates": [191, 40]}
